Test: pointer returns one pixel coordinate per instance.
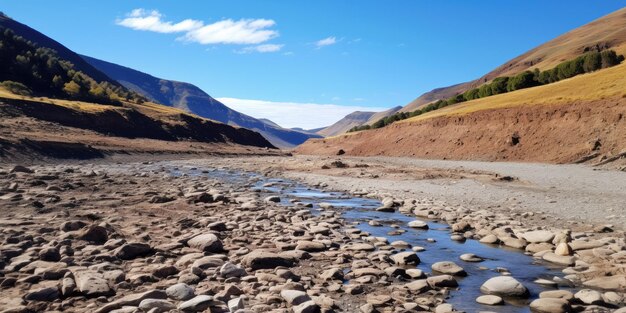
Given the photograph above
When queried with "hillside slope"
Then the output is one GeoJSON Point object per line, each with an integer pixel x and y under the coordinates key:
{"type": "Point", "coordinates": [575, 120]}
{"type": "Point", "coordinates": [62, 51]}
{"type": "Point", "coordinates": [343, 125]}
{"type": "Point", "coordinates": [192, 99]}
{"type": "Point", "coordinates": [607, 32]}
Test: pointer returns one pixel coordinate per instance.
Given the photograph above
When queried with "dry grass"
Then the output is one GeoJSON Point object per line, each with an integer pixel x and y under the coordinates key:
{"type": "Point", "coordinates": [150, 109]}
{"type": "Point", "coordinates": [607, 83]}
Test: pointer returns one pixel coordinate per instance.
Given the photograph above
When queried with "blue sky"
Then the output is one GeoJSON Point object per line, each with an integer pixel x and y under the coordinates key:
{"type": "Point", "coordinates": [355, 55]}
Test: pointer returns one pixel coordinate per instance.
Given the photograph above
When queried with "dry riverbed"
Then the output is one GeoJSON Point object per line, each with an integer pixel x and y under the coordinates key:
{"type": "Point", "coordinates": [144, 237]}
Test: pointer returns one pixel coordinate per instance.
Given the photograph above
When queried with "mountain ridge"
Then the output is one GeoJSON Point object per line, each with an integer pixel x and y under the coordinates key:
{"type": "Point", "coordinates": [191, 98]}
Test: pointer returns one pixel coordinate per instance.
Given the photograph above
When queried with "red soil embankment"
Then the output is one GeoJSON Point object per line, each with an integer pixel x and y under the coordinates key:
{"type": "Point", "coordinates": [539, 133]}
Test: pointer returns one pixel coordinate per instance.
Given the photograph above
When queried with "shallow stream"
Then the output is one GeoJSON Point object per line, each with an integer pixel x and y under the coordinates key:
{"type": "Point", "coordinates": [524, 268]}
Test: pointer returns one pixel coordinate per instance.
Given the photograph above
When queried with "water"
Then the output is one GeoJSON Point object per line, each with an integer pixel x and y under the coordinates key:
{"type": "Point", "coordinates": [361, 210]}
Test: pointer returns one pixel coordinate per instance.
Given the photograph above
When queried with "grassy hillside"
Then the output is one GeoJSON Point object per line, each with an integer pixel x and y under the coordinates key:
{"type": "Point", "coordinates": [607, 32]}
{"type": "Point", "coordinates": [130, 120]}
{"type": "Point", "coordinates": [604, 84]}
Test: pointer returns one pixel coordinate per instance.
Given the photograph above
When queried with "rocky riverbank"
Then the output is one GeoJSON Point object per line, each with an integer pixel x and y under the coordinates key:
{"type": "Point", "coordinates": [151, 238]}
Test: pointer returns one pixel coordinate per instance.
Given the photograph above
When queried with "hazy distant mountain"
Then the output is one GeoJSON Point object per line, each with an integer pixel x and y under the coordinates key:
{"type": "Point", "coordinates": [343, 125]}
{"type": "Point", "coordinates": [192, 99]}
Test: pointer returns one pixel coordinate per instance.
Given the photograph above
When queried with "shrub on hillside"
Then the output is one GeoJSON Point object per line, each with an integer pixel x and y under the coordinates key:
{"type": "Point", "coordinates": [16, 88]}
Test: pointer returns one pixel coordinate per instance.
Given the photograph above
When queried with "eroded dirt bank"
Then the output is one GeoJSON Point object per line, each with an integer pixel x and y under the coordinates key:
{"type": "Point", "coordinates": [582, 131]}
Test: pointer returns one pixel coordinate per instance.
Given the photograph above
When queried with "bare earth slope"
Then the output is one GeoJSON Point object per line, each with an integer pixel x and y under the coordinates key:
{"type": "Point", "coordinates": [573, 120]}
{"type": "Point", "coordinates": [607, 32]}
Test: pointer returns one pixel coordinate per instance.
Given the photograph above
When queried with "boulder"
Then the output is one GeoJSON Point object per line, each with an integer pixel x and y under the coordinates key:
{"type": "Point", "coordinates": [403, 258]}
{"type": "Point", "coordinates": [447, 267]}
{"type": "Point", "coordinates": [206, 243]}
{"type": "Point", "coordinates": [538, 236]}
{"type": "Point", "coordinates": [94, 234]}
{"type": "Point", "coordinates": [418, 224]}
{"type": "Point", "coordinates": [42, 294]}
{"type": "Point", "coordinates": [550, 305]}
{"type": "Point", "coordinates": [156, 305]}
{"type": "Point", "coordinates": [261, 259]}
{"type": "Point", "coordinates": [92, 284]}
{"type": "Point", "coordinates": [131, 300]}
{"type": "Point", "coordinates": [490, 300]}
{"type": "Point", "coordinates": [196, 304]}
{"type": "Point", "coordinates": [504, 286]}
{"type": "Point", "coordinates": [180, 291]}
{"type": "Point", "coordinates": [133, 250]}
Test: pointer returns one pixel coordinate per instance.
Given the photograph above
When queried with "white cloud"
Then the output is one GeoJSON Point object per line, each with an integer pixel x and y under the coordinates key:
{"type": "Point", "coordinates": [245, 31]}
{"type": "Point", "coordinates": [295, 114]}
{"type": "Point", "coordinates": [326, 42]}
{"type": "Point", "coordinates": [140, 19]}
{"type": "Point", "coordinates": [261, 48]}
{"type": "Point", "coordinates": [228, 31]}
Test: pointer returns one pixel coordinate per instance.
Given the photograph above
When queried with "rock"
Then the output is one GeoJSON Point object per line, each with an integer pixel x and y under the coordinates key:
{"type": "Point", "coordinates": [43, 294]}
{"type": "Point", "coordinates": [333, 273]}
{"type": "Point", "coordinates": [489, 239]}
{"type": "Point", "coordinates": [418, 224]}
{"type": "Point", "coordinates": [550, 305]}
{"type": "Point", "coordinates": [444, 308]}
{"type": "Point", "coordinates": [563, 249]}
{"type": "Point", "coordinates": [165, 271]}
{"type": "Point", "coordinates": [72, 226]}
{"type": "Point", "coordinates": [447, 267]}
{"type": "Point", "coordinates": [515, 243]}
{"type": "Point", "coordinates": [404, 258]}
{"type": "Point", "coordinates": [378, 300]}
{"type": "Point", "coordinates": [504, 286]}
{"type": "Point", "coordinates": [441, 281]}
{"type": "Point", "coordinates": [558, 294]}
{"type": "Point", "coordinates": [229, 270]}
{"type": "Point", "coordinates": [294, 297]}
{"type": "Point", "coordinates": [415, 273]}
{"type": "Point", "coordinates": [197, 304]}
{"type": "Point", "coordinates": [559, 259]}
{"type": "Point", "coordinates": [50, 254]}
{"type": "Point", "coordinates": [206, 243]}
{"type": "Point", "coordinates": [21, 169]}
{"type": "Point", "coordinates": [306, 307]}
{"type": "Point", "coordinates": [261, 259]}
{"type": "Point", "coordinates": [310, 246]}
{"type": "Point", "coordinates": [274, 199]}
{"type": "Point", "coordinates": [94, 234]}
{"type": "Point", "coordinates": [133, 250]}
{"type": "Point", "coordinates": [588, 296]}
{"type": "Point", "coordinates": [235, 304]}
{"type": "Point", "coordinates": [538, 236]}
{"type": "Point", "coordinates": [156, 305]}
{"type": "Point", "coordinates": [470, 257]}
{"type": "Point", "coordinates": [361, 247]}
{"type": "Point", "coordinates": [92, 284]}
{"type": "Point", "coordinates": [616, 282]}
{"type": "Point", "coordinates": [180, 291]}
{"type": "Point", "coordinates": [418, 286]}
{"type": "Point", "coordinates": [131, 300]}
{"type": "Point", "coordinates": [490, 300]}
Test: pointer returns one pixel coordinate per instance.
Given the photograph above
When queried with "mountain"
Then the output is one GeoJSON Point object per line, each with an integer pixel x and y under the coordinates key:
{"type": "Point", "coordinates": [62, 51]}
{"type": "Point", "coordinates": [192, 99]}
{"type": "Point", "coordinates": [607, 32]}
{"type": "Point", "coordinates": [378, 115]}
{"type": "Point", "coordinates": [343, 125]}
{"type": "Point", "coordinates": [572, 120]}
{"type": "Point", "coordinates": [60, 98]}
